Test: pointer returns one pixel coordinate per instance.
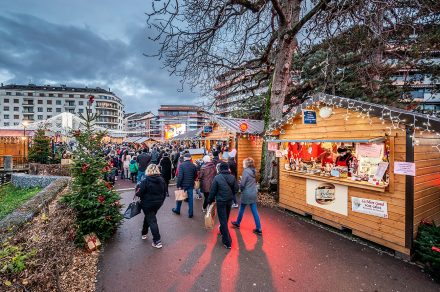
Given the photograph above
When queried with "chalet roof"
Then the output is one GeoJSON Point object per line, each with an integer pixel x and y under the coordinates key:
{"type": "Point", "coordinates": [233, 124]}
{"type": "Point", "coordinates": [194, 134]}
{"type": "Point", "coordinates": [401, 116]}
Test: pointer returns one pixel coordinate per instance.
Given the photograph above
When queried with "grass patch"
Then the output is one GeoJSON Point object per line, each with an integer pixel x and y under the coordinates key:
{"type": "Point", "coordinates": [12, 197]}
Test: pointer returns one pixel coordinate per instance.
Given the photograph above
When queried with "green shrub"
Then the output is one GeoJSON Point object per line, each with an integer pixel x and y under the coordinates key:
{"type": "Point", "coordinates": [428, 236]}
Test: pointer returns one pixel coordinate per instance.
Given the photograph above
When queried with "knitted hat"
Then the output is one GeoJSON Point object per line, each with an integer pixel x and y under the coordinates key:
{"type": "Point", "coordinates": [206, 159]}
{"type": "Point", "coordinates": [187, 156]}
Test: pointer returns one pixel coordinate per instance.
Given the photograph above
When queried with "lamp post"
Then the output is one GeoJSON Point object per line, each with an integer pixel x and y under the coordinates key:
{"type": "Point", "coordinates": [25, 124]}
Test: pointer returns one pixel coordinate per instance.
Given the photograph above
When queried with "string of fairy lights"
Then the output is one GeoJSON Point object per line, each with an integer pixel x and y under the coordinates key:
{"type": "Point", "coordinates": [398, 118]}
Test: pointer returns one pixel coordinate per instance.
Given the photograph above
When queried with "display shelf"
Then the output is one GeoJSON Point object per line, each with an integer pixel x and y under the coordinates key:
{"type": "Point", "coordinates": [337, 180]}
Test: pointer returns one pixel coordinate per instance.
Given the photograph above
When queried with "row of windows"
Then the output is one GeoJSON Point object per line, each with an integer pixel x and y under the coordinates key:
{"type": "Point", "coordinates": [17, 117]}
{"type": "Point", "coordinates": [60, 95]}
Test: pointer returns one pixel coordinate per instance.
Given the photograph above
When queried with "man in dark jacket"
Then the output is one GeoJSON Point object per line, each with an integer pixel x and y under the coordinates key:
{"type": "Point", "coordinates": [223, 189]}
{"type": "Point", "coordinates": [187, 174]}
{"type": "Point", "coordinates": [152, 194]}
{"type": "Point", "coordinates": [165, 169]}
{"type": "Point", "coordinates": [155, 156]}
{"type": "Point", "coordinates": [143, 161]}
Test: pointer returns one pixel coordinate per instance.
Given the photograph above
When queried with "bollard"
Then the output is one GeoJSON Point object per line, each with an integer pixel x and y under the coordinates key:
{"type": "Point", "coordinates": [8, 163]}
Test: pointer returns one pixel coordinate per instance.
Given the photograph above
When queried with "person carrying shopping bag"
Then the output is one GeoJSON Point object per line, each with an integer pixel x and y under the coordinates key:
{"type": "Point", "coordinates": [152, 192]}
{"type": "Point", "coordinates": [248, 187]}
{"type": "Point", "coordinates": [207, 174]}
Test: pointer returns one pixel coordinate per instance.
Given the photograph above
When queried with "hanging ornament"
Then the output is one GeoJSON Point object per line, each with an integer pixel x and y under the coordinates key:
{"type": "Point", "coordinates": [91, 99]}
{"type": "Point", "coordinates": [325, 112]}
{"type": "Point", "coordinates": [101, 199]}
{"type": "Point", "coordinates": [76, 133]}
{"type": "Point", "coordinates": [434, 248]}
{"type": "Point", "coordinates": [85, 167]}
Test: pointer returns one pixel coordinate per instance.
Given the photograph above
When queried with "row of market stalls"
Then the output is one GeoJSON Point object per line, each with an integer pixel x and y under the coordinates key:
{"type": "Point", "coordinates": [244, 135]}
{"type": "Point", "coordinates": [354, 165]}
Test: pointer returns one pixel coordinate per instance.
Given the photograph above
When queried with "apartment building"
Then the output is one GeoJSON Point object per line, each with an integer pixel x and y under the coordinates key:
{"type": "Point", "coordinates": [144, 123]}
{"type": "Point", "coordinates": [33, 103]}
{"type": "Point", "coordinates": [188, 116]}
{"type": "Point", "coordinates": [233, 88]}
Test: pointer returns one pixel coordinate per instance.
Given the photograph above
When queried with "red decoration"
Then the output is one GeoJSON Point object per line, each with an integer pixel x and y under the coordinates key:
{"type": "Point", "coordinates": [244, 126]}
{"type": "Point", "coordinates": [85, 167]}
{"type": "Point", "coordinates": [101, 199]}
{"type": "Point", "coordinates": [108, 185]}
{"type": "Point", "coordinates": [77, 133]}
{"type": "Point", "coordinates": [434, 248]}
{"type": "Point", "coordinates": [91, 99]}
{"type": "Point", "coordinates": [117, 204]}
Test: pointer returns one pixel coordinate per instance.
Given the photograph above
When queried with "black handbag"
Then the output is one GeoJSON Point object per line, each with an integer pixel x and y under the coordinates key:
{"type": "Point", "coordinates": [132, 210]}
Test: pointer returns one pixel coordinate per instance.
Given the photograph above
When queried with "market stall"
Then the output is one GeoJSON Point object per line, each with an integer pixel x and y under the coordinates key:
{"type": "Point", "coordinates": [242, 134]}
{"type": "Point", "coordinates": [15, 142]}
{"type": "Point", "coordinates": [360, 166]}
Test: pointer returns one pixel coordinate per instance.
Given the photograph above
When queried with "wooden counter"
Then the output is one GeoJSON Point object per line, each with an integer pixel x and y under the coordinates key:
{"type": "Point", "coordinates": [338, 180]}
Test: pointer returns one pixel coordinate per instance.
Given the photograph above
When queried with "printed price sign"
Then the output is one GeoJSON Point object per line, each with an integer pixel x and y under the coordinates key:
{"type": "Point", "coordinates": [405, 168]}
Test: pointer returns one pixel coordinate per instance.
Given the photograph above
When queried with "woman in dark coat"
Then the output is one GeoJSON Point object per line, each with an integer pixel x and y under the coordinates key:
{"type": "Point", "coordinates": [223, 189]}
{"type": "Point", "coordinates": [165, 169]}
{"type": "Point", "coordinates": [207, 174]}
{"type": "Point", "coordinates": [151, 191]}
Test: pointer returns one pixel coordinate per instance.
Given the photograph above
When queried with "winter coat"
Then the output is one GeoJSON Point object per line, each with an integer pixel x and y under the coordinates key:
{"type": "Point", "coordinates": [133, 166]}
{"type": "Point", "coordinates": [248, 186]}
{"type": "Point", "coordinates": [155, 156]}
{"type": "Point", "coordinates": [126, 162]}
{"type": "Point", "coordinates": [165, 167]}
{"type": "Point", "coordinates": [143, 160]}
{"type": "Point", "coordinates": [207, 174]}
{"type": "Point", "coordinates": [232, 166]}
{"type": "Point", "coordinates": [223, 188]}
{"type": "Point", "coordinates": [152, 190]}
{"type": "Point", "coordinates": [187, 174]}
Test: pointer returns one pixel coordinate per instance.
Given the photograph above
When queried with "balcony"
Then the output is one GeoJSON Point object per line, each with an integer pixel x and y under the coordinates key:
{"type": "Point", "coordinates": [69, 105]}
{"type": "Point", "coordinates": [30, 111]}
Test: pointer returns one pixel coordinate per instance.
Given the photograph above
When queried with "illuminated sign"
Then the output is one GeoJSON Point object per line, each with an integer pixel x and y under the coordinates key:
{"type": "Point", "coordinates": [173, 130]}
{"type": "Point", "coordinates": [244, 126]}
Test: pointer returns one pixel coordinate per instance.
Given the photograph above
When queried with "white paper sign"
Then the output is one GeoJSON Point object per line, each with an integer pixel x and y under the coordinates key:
{"type": "Point", "coordinates": [278, 153]}
{"type": "Point", "coordinates": [405, 168]}
{"type": "Point", "coordinates": [328, 196]}
{"type": "Point", "coordinates": [370, 207]}
{"type": "Point", "coordinates": [381, 169]}
{"type": "Point", "coordinates": [370, 150]}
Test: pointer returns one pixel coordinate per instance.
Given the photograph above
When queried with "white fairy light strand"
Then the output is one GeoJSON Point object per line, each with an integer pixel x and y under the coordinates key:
{"type": "Point", "coordinates": [386, 114]}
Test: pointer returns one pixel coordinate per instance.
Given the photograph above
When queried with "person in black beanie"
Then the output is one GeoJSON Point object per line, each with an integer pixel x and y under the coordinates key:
{"type": "Point", "coordinates": [223, 189]}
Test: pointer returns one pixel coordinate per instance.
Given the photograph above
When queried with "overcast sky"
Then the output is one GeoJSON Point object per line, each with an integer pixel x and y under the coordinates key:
{"type": "Point", "coordinates": [86, 43]}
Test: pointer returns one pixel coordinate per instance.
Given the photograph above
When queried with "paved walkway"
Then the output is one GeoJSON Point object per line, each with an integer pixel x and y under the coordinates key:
{"type": "Point", "coordinates": [292, 255]}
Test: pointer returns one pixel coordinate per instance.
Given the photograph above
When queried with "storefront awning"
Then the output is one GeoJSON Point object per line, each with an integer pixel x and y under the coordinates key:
{"type": "Point", "coordinates": [360, 140]}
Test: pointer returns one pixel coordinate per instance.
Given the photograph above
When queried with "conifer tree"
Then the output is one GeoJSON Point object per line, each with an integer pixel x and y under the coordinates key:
{"type": "Point", "coordinates": [40, 150]}
{"type": "Point", "coordinates": [96, 204]}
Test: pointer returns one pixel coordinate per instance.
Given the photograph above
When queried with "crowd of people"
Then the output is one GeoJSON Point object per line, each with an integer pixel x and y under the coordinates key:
{"type": "Point", "coordinates": [212, 178]}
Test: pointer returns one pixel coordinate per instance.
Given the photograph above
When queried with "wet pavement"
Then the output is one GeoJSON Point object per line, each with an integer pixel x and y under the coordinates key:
{"type": "Point", "coordinates": [292, 255]}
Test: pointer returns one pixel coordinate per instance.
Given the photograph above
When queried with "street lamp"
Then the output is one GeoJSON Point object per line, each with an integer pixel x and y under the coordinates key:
{"type": "Point", "coordinates": [25, 124]}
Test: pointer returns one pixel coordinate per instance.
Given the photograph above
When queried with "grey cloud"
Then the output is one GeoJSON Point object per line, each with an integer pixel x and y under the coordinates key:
{"type": "Point", "coordinates": [32, 48]}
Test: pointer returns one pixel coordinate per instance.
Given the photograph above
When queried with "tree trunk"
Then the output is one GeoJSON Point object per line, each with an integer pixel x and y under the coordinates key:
{"type": "Point", "coordinates": [281, 79]}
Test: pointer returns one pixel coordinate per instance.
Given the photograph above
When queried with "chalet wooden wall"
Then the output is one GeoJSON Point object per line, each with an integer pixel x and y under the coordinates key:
{"type": "Point", "coordinates": [390, 231]}
{"type": "Point", "coordinates": [427, 180]}
{"type": "Point", "coordinates": [245, 149]}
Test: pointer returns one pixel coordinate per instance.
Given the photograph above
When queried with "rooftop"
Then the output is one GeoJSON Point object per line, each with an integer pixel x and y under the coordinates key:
{"type": "Point", "coordinates": [55, 88]}
{"type": "Point", "coordinates": [179, 107]}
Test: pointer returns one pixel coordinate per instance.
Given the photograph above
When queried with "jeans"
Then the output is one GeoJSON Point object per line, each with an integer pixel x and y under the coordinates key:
{"type": "Point", "coordinates": [223, 211]}
{"type": "Point", "coordinates": [150, 221]}
{"type": "Point", "coordinates": [133, 176]}
{"type": "Point", "coordinates": [254, 213]}
{"type": "Point", "coordinates": [234, 198]}
{"type": "Point", "coordinates": [140, 176]}
{"type": "Point", "coordinates": [190, 202]}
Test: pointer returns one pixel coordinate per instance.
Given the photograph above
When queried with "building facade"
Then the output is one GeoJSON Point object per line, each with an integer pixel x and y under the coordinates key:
{"type": "Point", "coordinates": [192, 117]}
{"type": "Point", "coordinates": [34, 103]}
{"type": "Point", "coordinates": [142, 124]}
{"type": "Point", "coordinates": [233, 89]}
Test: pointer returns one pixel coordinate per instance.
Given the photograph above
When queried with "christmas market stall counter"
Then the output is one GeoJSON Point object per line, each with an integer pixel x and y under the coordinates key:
{"type": "Point", "coordinates": [244, 135]}
{"type": "Point", "coordinates": [369, 168]}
